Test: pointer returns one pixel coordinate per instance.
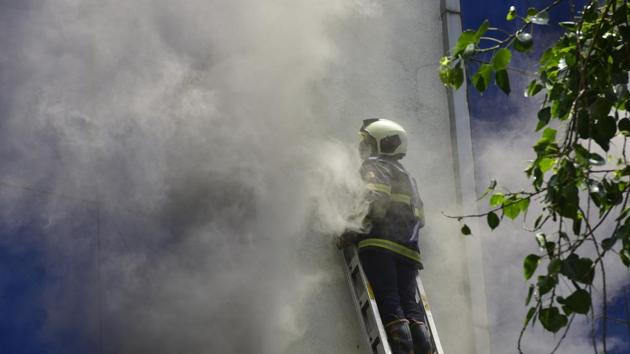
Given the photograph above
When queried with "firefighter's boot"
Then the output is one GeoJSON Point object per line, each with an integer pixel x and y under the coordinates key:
{"type": "Point", "coordinates": [399, 336]}
{"type": "Point", "coordinates": [421, 337]}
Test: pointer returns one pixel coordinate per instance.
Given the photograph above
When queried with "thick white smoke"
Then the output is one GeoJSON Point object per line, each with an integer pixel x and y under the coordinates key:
{"type": "Point", "coordinates": [192, 130]}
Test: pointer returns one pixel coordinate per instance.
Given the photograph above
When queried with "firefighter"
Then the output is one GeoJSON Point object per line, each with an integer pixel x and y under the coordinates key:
{"type": "Point", "coordinates": [389, 249]}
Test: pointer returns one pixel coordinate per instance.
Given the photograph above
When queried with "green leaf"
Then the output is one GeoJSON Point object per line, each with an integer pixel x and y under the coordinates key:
{"type": "Point", "coordinates": [567, 311]}
{"type": "Point", "coordinates": [451, 76]}
{"type": "Point", "coordinates": [555, 108]}
{"type": "Point", "coordinates": [503, 81]}
{"type": "Point", "coordinates": [623, 233]}
{"type": "Point", "coordinates": [481, 80]}
{"type": "Point", "coordinates": [601, 107]}
{"type": "Point", "coordinates": [530, 315]}
{"type": "Point", "coordinates": [577, 226]}
{"type": "Point", "coordinates": [497, 199]}
{"type": "Point", "coordinates": [605, 129]}
{"type": "Point", "coordinates": [467, 37]}
{"type": "Point", "coordinates": [501, 59]}
{"type": "Point", "coordinates": [533, 88]}
{"type": "Point", "coordinates": [550, 248]}
{"type": "Point", "coordinates": [544, 115]}
{"type": "Point", "coordinates": [523, 41]}
{"type": "Point", "coordinates": [624, 126]}
{"type": "Point", "coordinates": [546, 163]}
{"type": "Point", "coordinates": [584, 124]}
{"type": "Point", "coordinates": [561, 107]}
{"type": "Point", "coordinates": [465, 230]}
{"type": "Point", "coordinates": [482, 30]}
{"type": "Point", "coordinates": [545, 283]}
{"type": "Point", "coordinates": [469, 51]}
{"type": "Point", "coordinates": [457, 76]}
{"type": "Point", "coordinates": [511, 14]}
{"type": "Point", "coordinates": [549, 134]}
{"type": "Point", "coordinates": [608, 243]}
{"type": "Point", "coordinates": [582, 155]}
{"type": "Point", "coordinates": [541, 239]}
{"type": "Point", "coordinates": [567, 205]}
{"type": "Point", "coordinates": [570, 59]}
{"type": "Point", "coordinates": [546, 140]}
{"type": "Point", "coordinates": [445, 74]}
{"type": "Point", "coordinates": [530, 292]}
{"type": "Point", "coordinates": [493, 220]}
{"type": "Point", "coordinates": [578, 269]}
{"type": "Point", "coordinates": [511, 208]}
{"type": "Point", "coordinates": [554, 266]}
{"type": "Point", "coordinates": [551, 319]}
{"type": "Point", "coordinates": [596, 159]}
{"type": "Point", "coordinates": [523, 204]}
{"type": "Point", "coordinates": [548, 60]}
{"type": "Point", "coordinates": [541, 18]}
{"type": "Point", "coordinates": [590, 12]}
{"type": "Point", "coordinates": [538, 178]}
{"type": "Point", "coordinates": [579, 301]}
{"type": "Point", "coordinates": [571, 26]}
{"type": "Point", "coordinates": [621, 14]}
{"type": "Point", "coordinates": [531, 12]}
{"type": "Point", "coordinates": [563, 193]}
{"type": "Point", "coordinates": [529, 265]}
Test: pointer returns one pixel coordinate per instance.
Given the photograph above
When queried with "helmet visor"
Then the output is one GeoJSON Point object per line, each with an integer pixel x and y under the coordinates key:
{"type": "Point", "coordinates": [367, 145]}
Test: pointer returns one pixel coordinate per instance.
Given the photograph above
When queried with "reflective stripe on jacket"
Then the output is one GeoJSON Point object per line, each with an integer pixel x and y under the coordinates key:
{"type": "Point", "coordinates": [397, 248]}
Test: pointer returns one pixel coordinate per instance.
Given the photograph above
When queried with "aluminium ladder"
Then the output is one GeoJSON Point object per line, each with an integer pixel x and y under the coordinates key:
{"type": "Point", "coordinates": [372, 328]}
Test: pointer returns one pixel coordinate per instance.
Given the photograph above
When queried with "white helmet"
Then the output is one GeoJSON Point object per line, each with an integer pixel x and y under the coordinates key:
{"type": "Point", "coordinates": [382, 137]}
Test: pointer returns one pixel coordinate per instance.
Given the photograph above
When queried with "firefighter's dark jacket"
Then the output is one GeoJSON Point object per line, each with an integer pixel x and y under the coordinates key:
{"type": "Point", "coordinates": [396, 211]}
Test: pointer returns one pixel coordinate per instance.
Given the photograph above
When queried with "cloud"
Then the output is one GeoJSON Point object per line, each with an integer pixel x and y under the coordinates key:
{"type": "Point", "coordinates": [502, 153]}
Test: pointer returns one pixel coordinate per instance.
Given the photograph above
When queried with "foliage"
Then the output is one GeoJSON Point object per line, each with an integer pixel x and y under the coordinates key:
{"type": "Point", "coordinates": [583, 194]}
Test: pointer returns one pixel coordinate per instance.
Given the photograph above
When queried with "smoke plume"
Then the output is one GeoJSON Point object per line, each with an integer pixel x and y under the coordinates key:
{"type": "Point", "coordinates": [180, 154]}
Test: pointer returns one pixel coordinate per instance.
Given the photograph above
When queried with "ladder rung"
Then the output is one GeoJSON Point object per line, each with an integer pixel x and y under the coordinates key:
{"type": "Point", "coordinates": [375, 342]}
{"type": "Point", "coordinates": [364, 301]}
{"type": "Point", "coordinates": [373, 334]}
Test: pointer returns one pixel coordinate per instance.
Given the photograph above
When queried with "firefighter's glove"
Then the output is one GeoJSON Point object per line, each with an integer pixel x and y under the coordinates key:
{"type": "Point", "coordinates": [346, 239]}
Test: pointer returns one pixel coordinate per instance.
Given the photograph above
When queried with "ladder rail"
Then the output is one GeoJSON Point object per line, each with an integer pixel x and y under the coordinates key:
{"type": "Point", "coordinates": [423, 300]}
{"type": "Point", "coordinates": [372, 327]}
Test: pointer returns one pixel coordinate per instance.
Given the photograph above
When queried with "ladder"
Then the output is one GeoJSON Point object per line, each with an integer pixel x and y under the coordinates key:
{"type": "Point", "coordinates": [372, 329]}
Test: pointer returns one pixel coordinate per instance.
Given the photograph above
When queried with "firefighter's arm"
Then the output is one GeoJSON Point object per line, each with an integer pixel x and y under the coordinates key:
{"type": "Point", "coordinates": [377, 181]}
{"type": "Point", "coordinates": [418, 205]}
{"type": "Point", "coordinates": [419, 211]}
